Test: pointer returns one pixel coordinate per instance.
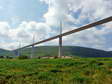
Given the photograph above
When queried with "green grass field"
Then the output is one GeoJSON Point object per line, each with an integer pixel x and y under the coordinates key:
{"type": "Point", "coordinates": [56, 71]}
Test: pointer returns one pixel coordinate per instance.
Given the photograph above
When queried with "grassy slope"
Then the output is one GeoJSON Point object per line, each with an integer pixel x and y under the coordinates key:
{"type": "Point", "coordinates": [68, 51]}
{"type": "Point", "coordinates": [56, 71]}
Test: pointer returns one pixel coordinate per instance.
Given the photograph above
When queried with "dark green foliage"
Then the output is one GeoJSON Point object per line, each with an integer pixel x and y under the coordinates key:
{"type": "Point", "coordinates": [23, 57]}
{"type": "Point", "coordinates": [1, 56]}
{"type": "Point", "coordinates": [55, 70]}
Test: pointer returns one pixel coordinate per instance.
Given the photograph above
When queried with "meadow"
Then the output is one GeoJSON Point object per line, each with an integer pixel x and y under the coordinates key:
{"type": "Point", "coordinates": [56, 71]}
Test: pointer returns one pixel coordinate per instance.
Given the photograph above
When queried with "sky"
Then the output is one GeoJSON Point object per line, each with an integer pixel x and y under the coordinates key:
{"type": "Point", "coordinates": [20, 20]}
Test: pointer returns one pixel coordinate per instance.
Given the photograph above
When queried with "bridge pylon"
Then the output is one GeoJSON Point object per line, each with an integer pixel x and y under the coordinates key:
{"type": "Point", "coordinates": [60, 41]}
{"type": "Point", "coordinates": [32, 49]}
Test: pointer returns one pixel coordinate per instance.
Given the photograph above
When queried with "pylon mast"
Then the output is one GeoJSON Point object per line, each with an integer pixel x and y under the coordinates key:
{"type": "Point", "coordinates": [32, 51]}
{"type": "Point", "coordinates": [60, 41]}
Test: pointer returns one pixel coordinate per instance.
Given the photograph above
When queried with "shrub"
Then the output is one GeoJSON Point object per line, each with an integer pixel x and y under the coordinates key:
{"type": "Point", "coordinates": [23, 57]}
{"type": "Point", "coordinates": [39, 57]}
{"type": "Point", "coordinates": [55, 57]}
{"type": "Point", "coordinates": [55, 70]}
{"type": "Point", "coordinates": [1, 56]}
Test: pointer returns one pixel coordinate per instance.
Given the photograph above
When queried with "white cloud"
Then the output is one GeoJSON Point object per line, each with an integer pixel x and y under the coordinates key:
{"type": "Point", "coordinates": [91, 9]}
{"type": "Point", "coordinates": [10, 37]}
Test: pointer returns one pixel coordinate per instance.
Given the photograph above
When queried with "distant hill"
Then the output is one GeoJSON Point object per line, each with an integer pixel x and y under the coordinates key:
{"type": "Point", "coordinates": [4, 52]}
{"type": "Point", "coordinates": [110, 52]}
{"type": "Point", "coordinates": [67, 51]}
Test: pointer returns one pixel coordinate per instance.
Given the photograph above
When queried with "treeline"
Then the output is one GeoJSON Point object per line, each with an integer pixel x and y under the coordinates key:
{"type": "Point", "coordinates": [8, 57]}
